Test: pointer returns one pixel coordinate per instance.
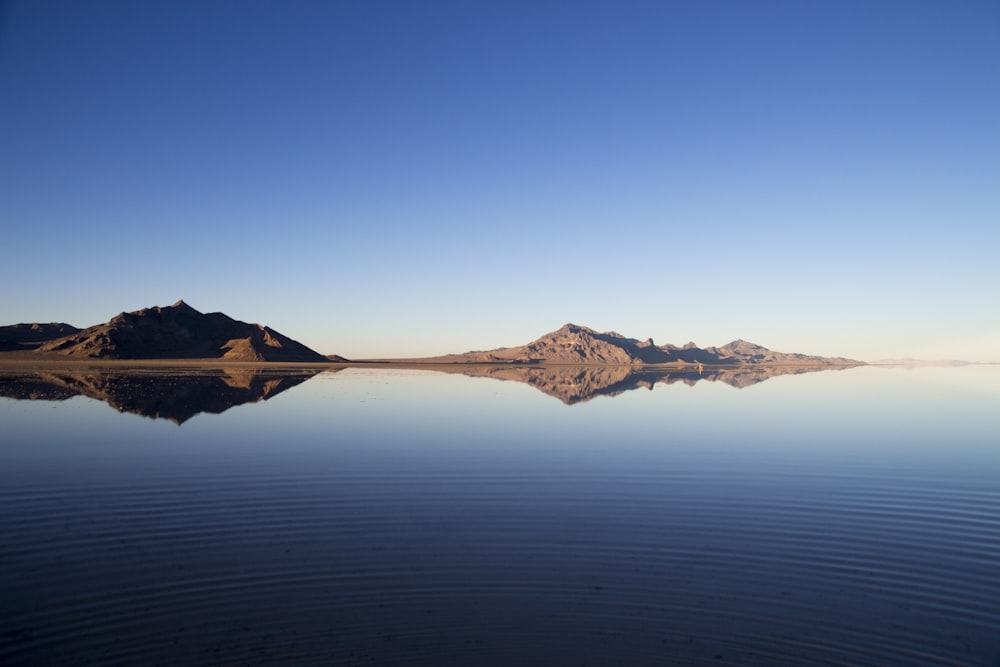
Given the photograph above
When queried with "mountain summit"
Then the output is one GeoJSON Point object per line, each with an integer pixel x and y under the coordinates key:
{"type": "Point", "coordinates": [180, 332]}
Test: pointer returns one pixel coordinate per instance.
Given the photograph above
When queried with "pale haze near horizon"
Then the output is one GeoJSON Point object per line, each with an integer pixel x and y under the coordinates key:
{"type": "Point", "coordinates": [409, 179]}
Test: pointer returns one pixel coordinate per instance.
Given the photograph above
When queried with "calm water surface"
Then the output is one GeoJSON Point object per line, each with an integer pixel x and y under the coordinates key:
{"type": "Point", "coordinates": [391, 516]}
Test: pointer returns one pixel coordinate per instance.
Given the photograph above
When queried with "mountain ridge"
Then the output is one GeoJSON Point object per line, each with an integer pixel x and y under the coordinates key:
{"type": "Point", "coordinates": [179, 331]}
{"type": "Point", "coordinates": [576, 344]}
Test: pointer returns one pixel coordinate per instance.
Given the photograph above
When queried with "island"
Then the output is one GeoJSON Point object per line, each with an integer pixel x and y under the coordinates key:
{"type": "Point", "coordinates": [179, 332]}
{"type": "Point", "coordinates": [174, 362]}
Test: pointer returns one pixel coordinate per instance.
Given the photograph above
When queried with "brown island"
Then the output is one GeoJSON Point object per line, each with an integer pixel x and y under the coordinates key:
{"type": "Point", "coordinates": [177, 332]}
{"type": "Point", "coordinates": [574, 363]}
{"type": "Point", "coordinates": [181, 333]}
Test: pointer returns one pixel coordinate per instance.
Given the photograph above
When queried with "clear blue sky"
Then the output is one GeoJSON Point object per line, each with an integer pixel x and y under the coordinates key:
{"type": "Point", "coordinates": [408, 178]}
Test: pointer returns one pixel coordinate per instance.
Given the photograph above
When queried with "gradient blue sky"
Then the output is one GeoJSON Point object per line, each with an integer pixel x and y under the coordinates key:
{"type": "Point", "coordinates": [410, 178]}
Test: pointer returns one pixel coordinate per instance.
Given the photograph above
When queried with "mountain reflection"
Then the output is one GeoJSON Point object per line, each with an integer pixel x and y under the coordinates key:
{"type": "Point", "coordinates": [179, 395]}
{"type": "Point", "coordinates": [576, 384]}
{"type": "Point", "coordinates": [174, 395]}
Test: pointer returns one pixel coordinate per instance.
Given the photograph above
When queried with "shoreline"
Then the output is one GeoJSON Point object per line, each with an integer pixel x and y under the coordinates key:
{"type": "Point", "coordinates": [24, 361]}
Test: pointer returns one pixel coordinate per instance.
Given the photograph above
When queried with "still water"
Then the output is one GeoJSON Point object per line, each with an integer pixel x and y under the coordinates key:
{"type": "Point", "coordinates": [416, 517]}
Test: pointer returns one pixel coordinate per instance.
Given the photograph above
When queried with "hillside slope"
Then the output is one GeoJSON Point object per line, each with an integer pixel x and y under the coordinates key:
{"type": "Point", "coordinates": [180, 332]}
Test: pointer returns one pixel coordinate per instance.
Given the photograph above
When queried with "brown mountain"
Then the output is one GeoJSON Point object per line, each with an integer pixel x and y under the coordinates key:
{"type": "Point", "coordinates": [180, 332]}
{"type": "Point", "coordinates": [574, 344]}
{"type": "Point", "coordinates": [743, 352]}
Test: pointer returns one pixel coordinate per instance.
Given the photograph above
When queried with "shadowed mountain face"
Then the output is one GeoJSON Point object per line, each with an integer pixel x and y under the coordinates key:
{"type": "Point", "coordinates": [159, 395]}
{"type": "Point", "coordinates": [576, 384]}
{"type": "Point", "coordinates": [180, 332]}
{"type": "Point", "coordinates": [573, 344]}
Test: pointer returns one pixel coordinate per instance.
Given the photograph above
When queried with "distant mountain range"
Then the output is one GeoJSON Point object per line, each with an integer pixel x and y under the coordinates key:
{"type": "Point", "coordinates": [181, 332]}
{"type": "Point", "coordinates": [172, 332]}
{"type": "Point", "coordinates": [575, 344]}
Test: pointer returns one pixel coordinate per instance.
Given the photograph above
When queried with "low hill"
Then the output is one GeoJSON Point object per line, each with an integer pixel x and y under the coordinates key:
{"type": "Point", "coordinates": [575, 344]}
{"type": "Point", "coordinates": [180, 332]}
{"type": "Point", "coordinates": [30, 336]}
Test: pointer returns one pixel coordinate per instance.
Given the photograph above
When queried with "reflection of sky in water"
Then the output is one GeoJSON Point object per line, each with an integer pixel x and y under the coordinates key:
{"type": "Point", "coordinates": [885, 419]}
{"type": "Point", "coordinates": [860, 411]}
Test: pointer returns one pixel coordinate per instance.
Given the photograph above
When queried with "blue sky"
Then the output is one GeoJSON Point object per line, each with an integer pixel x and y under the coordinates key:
{"type": "Point", "coordinates": [411, 178]}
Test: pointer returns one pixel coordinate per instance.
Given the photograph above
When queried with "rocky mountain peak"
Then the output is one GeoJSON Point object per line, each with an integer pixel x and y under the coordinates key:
{"type": "Point", "coordinates": [180, 332]}
{"type": "Point", "coordinates": [570, 328]}
{"type": "Point", "coordinates": [740, 345]}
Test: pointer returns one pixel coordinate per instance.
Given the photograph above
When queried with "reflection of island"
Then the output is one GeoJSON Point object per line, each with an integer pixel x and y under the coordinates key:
{"type": "Point", "coordinates": [159, 395]}
{"type": "Point", "coordinates": [575, 384]}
